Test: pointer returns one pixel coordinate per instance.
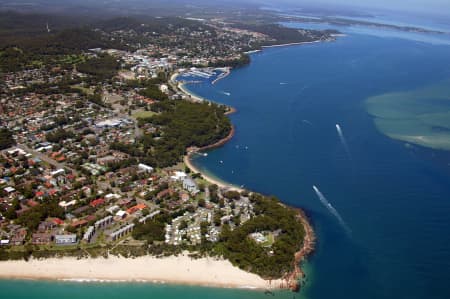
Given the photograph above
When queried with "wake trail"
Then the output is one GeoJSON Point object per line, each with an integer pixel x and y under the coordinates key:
{"type": "Point", "coordinates": [332, 210]}
{"type": "Point", "coordinates": [343, 140]}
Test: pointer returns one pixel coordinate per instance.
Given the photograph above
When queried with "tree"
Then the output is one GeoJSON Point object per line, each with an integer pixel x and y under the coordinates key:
{"type": "Point", "coordinates": [6, 138]}
{"type": "Point", "coordinates": [183, 225]}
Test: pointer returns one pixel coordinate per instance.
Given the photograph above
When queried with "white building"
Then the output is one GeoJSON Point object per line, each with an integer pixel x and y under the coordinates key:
{"type": "Point", "coordinates": [65, 239]}
{"type": "Point", "coordinates": [145, 167]}
{"type": "Point", "coordinates": [190, 185]}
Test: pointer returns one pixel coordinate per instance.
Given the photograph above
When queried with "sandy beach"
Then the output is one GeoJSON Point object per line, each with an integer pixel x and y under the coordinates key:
{"type": "Point", "coordinates": [190, 94]}
{"type": "Point", "coordinates": [175, 269]}
{"type": "Point", "coordinates": [208, 178]}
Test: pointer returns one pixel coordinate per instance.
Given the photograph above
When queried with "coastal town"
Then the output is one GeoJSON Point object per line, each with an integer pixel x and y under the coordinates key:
{"type": "Point", "coordinates": [93, 160]}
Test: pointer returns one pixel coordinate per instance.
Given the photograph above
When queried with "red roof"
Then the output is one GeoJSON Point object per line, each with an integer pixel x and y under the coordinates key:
{"type": "Point", "coordinates": [97, 202]}
{"type": "Point", "coordinates": [39, 193]}
{"type": "Point", "coordinates": [57, 221]}
{"type": "Point", "coordinates": [32, 203]}
{"type": "Point", "coordinates": [79, 223]}
{"type": "Point", "coordinates": [140, 206]}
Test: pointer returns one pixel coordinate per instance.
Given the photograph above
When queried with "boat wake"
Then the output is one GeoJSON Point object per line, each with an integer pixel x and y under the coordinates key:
{"type": "Point", "coordinates": [343, 141]}
{"type": "Point", "coordinates": [332, 210]}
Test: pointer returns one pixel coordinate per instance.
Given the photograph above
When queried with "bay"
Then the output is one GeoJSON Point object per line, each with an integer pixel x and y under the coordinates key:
{"type": "Point", "coordinates": [394, 197]}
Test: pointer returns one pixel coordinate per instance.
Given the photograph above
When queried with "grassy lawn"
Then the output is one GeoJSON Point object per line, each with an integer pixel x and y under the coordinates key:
{"type": "Point", "coordinates": [84, 89]}
{"type": "Point", "coordinates": [72, 59]}
{"type": "Point", "coordinates": [143, 114]}
{"type": "Point", "coordinates": [270, 240]}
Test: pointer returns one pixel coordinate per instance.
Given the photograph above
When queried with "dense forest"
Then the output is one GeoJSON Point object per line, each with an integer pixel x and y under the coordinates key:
{"type": "Point", "coordinates": [184, 124]}
{"type": "Point", "coordinates": [243, 60]}
{"type": "Point", "coordinates": [48, 49]}
{"type": "Point", "coordinates": [160, 25]}
{"type": "Point", "coordinates": [180, 124]}
{"type": "Point", "coordinates": [101, 67]}
{"type": "Point", "coordinates": [6, 138]}
{"type": "Point", "coordinates": [271, 262]}
{"type": "Point", "coordinates": [285, 35]}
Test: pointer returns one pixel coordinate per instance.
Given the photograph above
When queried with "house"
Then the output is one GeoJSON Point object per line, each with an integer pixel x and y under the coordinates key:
{"type": "Point", "coordinates": [9, 189]}
{"type": "Point", "coordinates": [19, 237]}
{"type": "Point", "coordinates": [65, 239]}
{"type": "Point", "coordinates": [184, 197]}
{"type": "Point", "coordinates": [121, 214]}
{"type": "Point", "coordinates": [46, 226]}
{"type": "Point", "coordinates": [41, 238]}
{"type": "Point", "coordinates": [97, 202]}
{"type": "Point", "coordinates": [79, 223]}
{"type": "Point", "coordinates": [138, 207]}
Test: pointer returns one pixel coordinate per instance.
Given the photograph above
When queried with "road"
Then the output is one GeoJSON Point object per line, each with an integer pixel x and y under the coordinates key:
{"type": "Point", "coordinates": [45, 158]}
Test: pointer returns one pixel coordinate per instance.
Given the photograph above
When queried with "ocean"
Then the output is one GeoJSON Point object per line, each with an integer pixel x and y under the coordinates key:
{"type": "Point", "coordinates": [380, 206]}
{"type": "Point", "coordinates": [383, 220]}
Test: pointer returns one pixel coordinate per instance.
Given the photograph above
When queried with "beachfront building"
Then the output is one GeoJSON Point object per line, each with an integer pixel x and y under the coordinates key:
{"type": "Point", "coordinates": [121, 232]}
{"type": "Point", "coordinates": [190, 185]}
{"type": "Point", "coordinates": [41, 238]}
{"type": "Point", "coordinates": [65, 239]}
{"type": "Point", "coordinates": [104, 222]}
{"type": "Point", "coordinates": [89, 234]}
{"type": "Point", "coordinates": [149, 216]}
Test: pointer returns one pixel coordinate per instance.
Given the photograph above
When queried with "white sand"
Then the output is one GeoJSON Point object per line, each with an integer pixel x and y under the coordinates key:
{"type": "Point", "coordinates": [209, 178]}
{"type": "Point", "coordinates": [177, 270]}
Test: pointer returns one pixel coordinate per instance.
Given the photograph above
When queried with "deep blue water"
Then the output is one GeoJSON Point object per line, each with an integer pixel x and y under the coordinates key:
{"type": "Point", "coordinates": [394, 198]}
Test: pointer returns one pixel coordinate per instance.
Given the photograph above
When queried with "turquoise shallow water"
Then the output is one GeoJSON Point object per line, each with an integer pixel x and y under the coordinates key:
{"type": "Point", "coordinates": [394, 198]}
{"type": "Point", "coordinates": [420, 116]}
{"type": "Point", "coordinates": [25, 289]}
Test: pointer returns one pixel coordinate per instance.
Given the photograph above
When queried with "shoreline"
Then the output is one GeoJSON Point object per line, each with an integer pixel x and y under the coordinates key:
{"type": "Point", "coordinates": [291, 44]}
{"type": "Point", "coordinates": [181, 270]}
{"type": "Point", "coordinates": [294, 279]}
{"type": "Point", "coordinates": [191, 96]}
{"type": "Point", "coordinates": [188, 162]}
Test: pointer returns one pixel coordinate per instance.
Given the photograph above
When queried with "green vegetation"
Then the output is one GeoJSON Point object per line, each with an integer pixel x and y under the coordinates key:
{"type": "Point", "coordinates": [101, 67]}
{"type": "Point", "coordinates": [284, 35]}
{"type": "Point", "coordinates": [58, 135]}
{"type": "Point", "coordinates": [244, 59]}
{"type": "Point", "coordinates": [268, 262]}
{"type": "Point", "coordinates": [152, 91]}
{"type": "Point", "coordinates": [32, 217]}
{"type": "Point", "coordinates": [183, 124]}
{"type": "Point", "coordinates": [143, 114]}
{"type": "Point", "coordinates": [152, 230]}
{"type": "Point", "coordinates": [6, 138]}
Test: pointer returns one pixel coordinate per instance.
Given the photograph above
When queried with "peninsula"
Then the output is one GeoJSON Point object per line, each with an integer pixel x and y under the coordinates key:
{"type": "Point", "coordinates": [95, 143]}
